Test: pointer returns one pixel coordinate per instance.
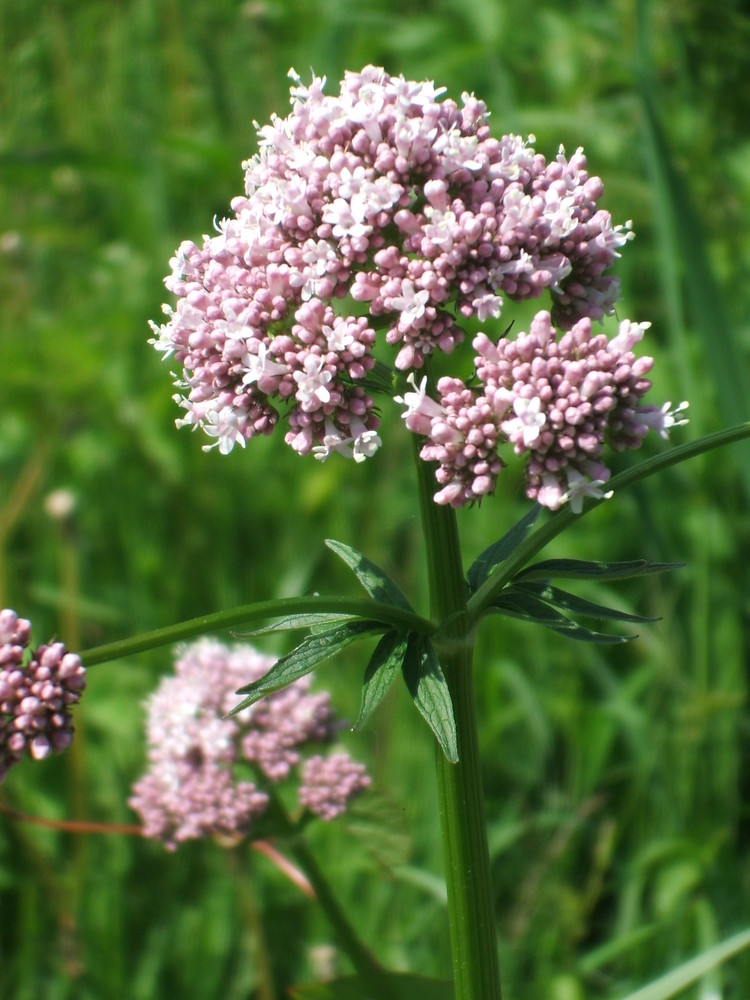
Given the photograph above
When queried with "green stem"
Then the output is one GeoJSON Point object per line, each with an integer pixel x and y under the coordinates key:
{"type": "Point", "coordinates": [358, 953]}
{"type": "Point", "coordinates": [250, 613]}
{"type": "Point", "coordinates": [471, 909]}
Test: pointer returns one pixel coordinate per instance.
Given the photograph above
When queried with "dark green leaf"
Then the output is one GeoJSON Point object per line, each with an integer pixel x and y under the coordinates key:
{"type": "Point", "coordinates": [573, 569]}
{"type": "Point", "coordinates": [383, 986]}
{"type": "Point", "coordinates": [387, 658]}
{"type": "Point", "coordinates": [577, 605]}
{"type": "Point", "coordinates": [499, 551]}
{"type": "Point", "coordinates": [304, 658]}
{"type": "Point", "coordinates": [429, 691]}
{"type": "Point", "coordinates": [376, 582]}
{"type": "Point", "coordinates": [529, 608]}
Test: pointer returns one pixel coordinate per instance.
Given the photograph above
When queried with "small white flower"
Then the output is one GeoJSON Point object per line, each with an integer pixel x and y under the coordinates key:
{"type": "Point", "coordinates": [664, 419]}
{"type": "Point", "coordinates": [346, 219]}
{"type": "Point", "coordinates": [487, 307]}
{"type": "Point", "coordinates": [362, 444]}
{"type": "Point", "coordinates": [312, 383]}
{"type": "Point", "coordinates": [441, 228]}
{"type": "Point", "coordinates": [411, 304]}
{"type": "Point", "coordinates": [338, 338]}
{"type": "Point", "coordinates": [420, 408]}
{"type": "Point", "coordinates": [260, 366]}
{"type": "Point", "coordinates": [580, 487]}
{"type": "Point", "coordinates": [365, 443]}
{"type": "Point", "coordinates": [224, 425]}
{"type": "Point", "coordinates": [627, 337]}
{"type": "Point", "coordinates": [527, 423]}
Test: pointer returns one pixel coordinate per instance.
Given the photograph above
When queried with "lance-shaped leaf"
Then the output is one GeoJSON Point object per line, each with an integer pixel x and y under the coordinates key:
{"type": "Point", "coordinates": [292, 622]}
{"type": "Point", "coordinates": [385, 662]}
{"type": "Point", "coordinates": [429, 691]}
{"type": "Point", "coordinates": [528, 607]}
{"type": "Point", "coordinates": [577, 605]}
{"type": "Point", "coordinates": [499, 551]}
{"type": "Point", "coordinates": [376, 582]}
{"type": "Point", "coordinates": [304, 658]}
{"type": "Point", "coordinates": [578, 569]}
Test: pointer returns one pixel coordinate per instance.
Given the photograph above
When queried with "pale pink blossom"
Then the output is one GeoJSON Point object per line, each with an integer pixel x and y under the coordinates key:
{"type": "Point", "coordinates": [209, 774]}
{"type": "Point", "coordinates": [385, 210]}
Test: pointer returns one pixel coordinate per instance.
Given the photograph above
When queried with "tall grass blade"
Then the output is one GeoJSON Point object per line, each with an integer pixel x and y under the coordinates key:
{"type": "Point", "coordinates": [685, 975]}
{"type": "Point", "coordinates": [683, 242]}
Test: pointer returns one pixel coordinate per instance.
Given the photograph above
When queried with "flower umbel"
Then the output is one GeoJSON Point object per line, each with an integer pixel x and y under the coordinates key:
{"type": "Point", "coordinates": [385, 207]}
{"type": "Point", "coordinates": [36, 695]}
{"type": "Point", "coordinates": [209, 775]}
{"type": "Point", "coordinates": [405, 204]}
{"type": "Point", "coordinates": [556, 399]}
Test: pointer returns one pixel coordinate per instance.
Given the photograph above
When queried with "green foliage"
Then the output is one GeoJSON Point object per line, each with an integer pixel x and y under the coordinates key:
{"type": "Point", "coordinates": [386, 661]}
{"type": "Point", "coordinates": [390, 986]}
{"type": "Point", "coordinates": [616, 777]}
{"type": "Point", "coordinates": [377, 583]}
{"type": "Point", "coordinates": [315, 648]}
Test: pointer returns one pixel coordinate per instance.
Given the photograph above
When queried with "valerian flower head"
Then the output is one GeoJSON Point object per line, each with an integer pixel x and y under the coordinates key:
{"type": "Point", "coordinates": [386, 207]}
{"type": "Point", "coordinates": [208, 774]}
{"type": "Point", "coordinates": [556, 399]}
{"type": "Point", "coordinates": [37, 691]}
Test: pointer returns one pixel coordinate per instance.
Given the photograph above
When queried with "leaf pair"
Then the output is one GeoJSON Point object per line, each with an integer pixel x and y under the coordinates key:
{"type": "Point", "coordinates": [530, 595]}
{"type": "Point", "coordinates": [400, 648]}
{"type": "Point", "coordinates": [415, 657]}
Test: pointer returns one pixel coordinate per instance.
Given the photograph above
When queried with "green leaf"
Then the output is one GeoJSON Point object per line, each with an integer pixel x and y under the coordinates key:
{"type": "Point", "coordinates": [384, 664]}
{"type": "Point", "coordinates": [376, 582]}
{"type": "Point", "coordinates": [429, 691]}
{"type": "Point", "coordinates": [385, 986]}
{"type": "Point", "coordinates": [529, 608]}
{"type": "Point", "coordinates": [564, 517]}
{"type": "Point", "coordinates": [392, 616]}
{"type": "Point", "coordinates": [577, 605]}
{"type": "Point", "coordinates": [498, 552]}
{"type": "Point", "coordinates": [578, 569]}
{"type": "Point", "coordinates": [292, 622]}
{"type": "Point", "coordinates": [304, 658]}
{"type": "Point", "coordinates": [690, 972]}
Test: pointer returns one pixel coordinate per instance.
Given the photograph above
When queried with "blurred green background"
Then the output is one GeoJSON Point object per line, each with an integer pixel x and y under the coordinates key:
{"type": "Point", "coordinates": [617, 781]}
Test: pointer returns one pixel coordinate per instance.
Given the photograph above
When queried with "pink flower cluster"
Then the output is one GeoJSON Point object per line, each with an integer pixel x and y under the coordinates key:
{"type": "Point", "coordinates": [329, 782]}
{"type": "Point", "coordinates": [198, 781]}
{"type": "Point", "coordinates": [35, 696]}
{"type": "Point", "coordinates": [384, 207]}
{"type": "Point", "coordinates": [556, 400]}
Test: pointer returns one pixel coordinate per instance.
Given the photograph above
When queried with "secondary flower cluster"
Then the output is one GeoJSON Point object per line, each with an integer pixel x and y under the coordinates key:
{"type": "Point", "coordinates": [555, 400]}
{"type": "Point", "coordinates": [35, 696]}
{"type": "Point", "coordinates": [382, 207]}
{"type": "Point", "coordinates": [198, 783]}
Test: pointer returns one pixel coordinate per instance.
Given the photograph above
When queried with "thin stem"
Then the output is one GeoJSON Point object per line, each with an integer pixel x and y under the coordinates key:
{"type": "Point", "coordinates": [250, 613]}
{"type": "Point", "coordinates": [73, 825]}
{"type": "Point", "coordinates": [358, 953]}
{"type": "Point", "coordinates": [471, 907]}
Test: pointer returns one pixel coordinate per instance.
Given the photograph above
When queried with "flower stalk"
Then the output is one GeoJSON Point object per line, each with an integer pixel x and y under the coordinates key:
{"type": "Point", "coordinates": [251, 614]}
{"type": "Point", "coordinates": [460, 794]}
{"type": "Point", "coordinates": [356, 950]}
